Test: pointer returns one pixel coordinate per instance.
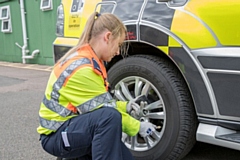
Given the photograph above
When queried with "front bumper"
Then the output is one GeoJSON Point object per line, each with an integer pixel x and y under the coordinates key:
{"type": "Point", "coordinates": [61, 45]}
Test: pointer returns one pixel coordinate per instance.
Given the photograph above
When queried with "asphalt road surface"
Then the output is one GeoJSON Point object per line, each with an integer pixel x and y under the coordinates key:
{"type": "Point", "coordinates": [21, 91]}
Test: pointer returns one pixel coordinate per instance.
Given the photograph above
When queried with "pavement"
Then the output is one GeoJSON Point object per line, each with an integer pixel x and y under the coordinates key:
{"type": "Point", "coordinates": [27, 66]}
{"type": "Point", "coordinates": [22, 87]}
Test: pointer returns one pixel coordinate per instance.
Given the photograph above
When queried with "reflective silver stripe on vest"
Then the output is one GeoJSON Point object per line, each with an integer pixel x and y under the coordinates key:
{"type": "Point", "coordinates": [53, 103]}
{"type": "Point", "coordinates": [56, 107]}
{"type": "Point", "coordinates": [62, 78]}
{"type": "Point", "coordinates": [104, 98]}
{"type": "Point", "coordinates": [52, 125]}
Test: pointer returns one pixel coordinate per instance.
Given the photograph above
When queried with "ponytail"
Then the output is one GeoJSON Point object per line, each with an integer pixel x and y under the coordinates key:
{"type": "Point", "coordinates": [85, 36]}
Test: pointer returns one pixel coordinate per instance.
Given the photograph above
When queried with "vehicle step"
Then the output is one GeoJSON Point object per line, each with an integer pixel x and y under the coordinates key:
{"type": "Point", "coordinates": [234, 137]}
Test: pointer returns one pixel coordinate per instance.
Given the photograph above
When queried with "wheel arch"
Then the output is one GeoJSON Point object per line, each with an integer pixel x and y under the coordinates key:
{"type": "Point", "coordinates": [140, 48]}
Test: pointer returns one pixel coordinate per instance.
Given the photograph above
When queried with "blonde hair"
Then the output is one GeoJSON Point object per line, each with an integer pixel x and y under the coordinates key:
{"type": "Point", "coordinates": [96, 24]}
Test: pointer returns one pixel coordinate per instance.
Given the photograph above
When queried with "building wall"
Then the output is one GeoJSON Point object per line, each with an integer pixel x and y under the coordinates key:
{"type": "Point", "coordinates": [40, 32]}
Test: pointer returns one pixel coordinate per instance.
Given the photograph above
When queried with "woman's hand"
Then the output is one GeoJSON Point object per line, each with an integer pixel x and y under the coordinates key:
{"type": "Point", "coordinates": [146, 129]}
{"type": "Point", "coordinates": [133, 106]}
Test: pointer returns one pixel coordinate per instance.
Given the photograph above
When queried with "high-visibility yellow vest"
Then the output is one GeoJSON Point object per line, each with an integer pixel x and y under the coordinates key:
{"type": "Point", "coordinates": [76, 86]}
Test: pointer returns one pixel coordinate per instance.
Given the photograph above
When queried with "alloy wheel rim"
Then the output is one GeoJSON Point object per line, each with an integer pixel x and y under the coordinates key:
{"type": "Point", "coordinates": [152, 110]}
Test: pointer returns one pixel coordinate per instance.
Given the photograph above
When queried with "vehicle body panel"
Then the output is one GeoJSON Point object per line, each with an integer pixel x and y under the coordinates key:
{"type": "Point", "coordinates": [201, 37]}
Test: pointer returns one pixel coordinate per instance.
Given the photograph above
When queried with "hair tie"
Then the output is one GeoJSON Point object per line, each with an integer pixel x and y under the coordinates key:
{"type": "Point", "coordinates": [97, 15]}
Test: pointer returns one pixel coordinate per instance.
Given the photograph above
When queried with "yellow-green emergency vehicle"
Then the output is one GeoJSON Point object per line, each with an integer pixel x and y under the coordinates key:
{"type": "Point", "coordinates": [184, 56]}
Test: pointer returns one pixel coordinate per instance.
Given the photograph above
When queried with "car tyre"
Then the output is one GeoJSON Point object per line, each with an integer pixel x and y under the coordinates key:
{"type": "Point", "coordinates": [178, 126]}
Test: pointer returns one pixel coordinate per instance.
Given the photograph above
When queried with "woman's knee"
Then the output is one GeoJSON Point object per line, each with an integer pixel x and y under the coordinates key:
{"type": "Point", "coordinates": [112, 115]}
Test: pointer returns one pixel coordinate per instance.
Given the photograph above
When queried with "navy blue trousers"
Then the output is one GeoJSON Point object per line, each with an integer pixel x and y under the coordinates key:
{"type": "Point", "coordinates": [91, 136]}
